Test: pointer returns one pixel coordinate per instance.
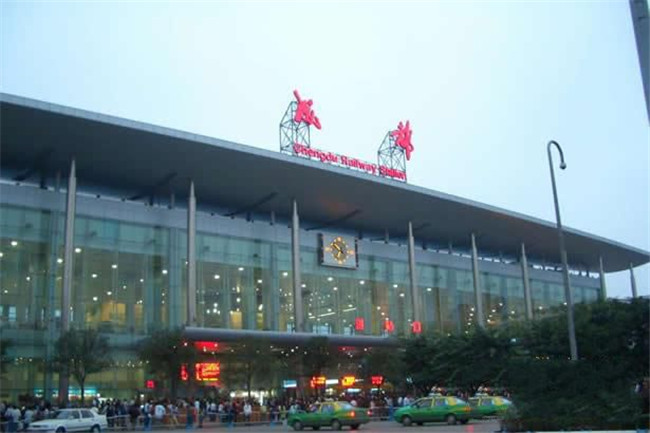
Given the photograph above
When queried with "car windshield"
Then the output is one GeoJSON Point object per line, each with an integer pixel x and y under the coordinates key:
{"type": "Point", "coordinates": [62, 414]}
{"type": "Point", "coordinates": [345, 406]}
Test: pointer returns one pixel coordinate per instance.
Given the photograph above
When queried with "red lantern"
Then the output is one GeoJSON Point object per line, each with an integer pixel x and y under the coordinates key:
{"type": "Point", "coordinates": [150, 384]}
{"type": "Point", "coordinates": [389, 326]}
{"type": "Point", "coordinates": [416, 327]}
{"type": "Point", "coordinates": [376, 380]}
{"type": "Point", "coordinates": [359, 324]}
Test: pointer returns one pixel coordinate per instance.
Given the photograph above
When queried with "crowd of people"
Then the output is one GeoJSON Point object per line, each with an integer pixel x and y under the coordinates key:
{"type": "Point", "coordinates": [194, 413]}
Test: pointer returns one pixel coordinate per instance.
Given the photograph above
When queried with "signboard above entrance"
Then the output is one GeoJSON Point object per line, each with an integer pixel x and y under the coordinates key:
{"type": "Point", "coordinates": [295, 139]}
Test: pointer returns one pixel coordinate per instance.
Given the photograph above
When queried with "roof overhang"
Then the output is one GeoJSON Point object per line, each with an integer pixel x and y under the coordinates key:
{"type": "Point", "coordinates": [285, 338]}
{"type": "Point", "coordinates": [131, 156]}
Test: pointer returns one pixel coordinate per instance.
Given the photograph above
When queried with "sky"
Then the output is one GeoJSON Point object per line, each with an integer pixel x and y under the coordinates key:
{"type": "Point", "coordinates": [485, 85]}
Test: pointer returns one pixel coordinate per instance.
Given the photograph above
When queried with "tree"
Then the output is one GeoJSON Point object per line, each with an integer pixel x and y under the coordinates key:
{"type": "Point", "coordinates": [385, 362]}
{"type": "Point", "coordinates": [81, 352]}
{"type": "Point", "coordinates": [317, 356]}
{"type": "Point", "coordinates": [250, 360]}
{"type": "Point", "coordinates": [595, 392]}
{"type": "Point", "coordinates": [165, 352]}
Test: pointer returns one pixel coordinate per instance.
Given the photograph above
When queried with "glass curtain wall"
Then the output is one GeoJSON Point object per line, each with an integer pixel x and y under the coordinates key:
{"type": "Point", "coordinates": [243, 284]}
{"type": "Point", "coordinates": [128, 278]}
{"type": "Point", "coordinates": [31, 271]}
{"type": "Point", "coordinates": [373, 299]}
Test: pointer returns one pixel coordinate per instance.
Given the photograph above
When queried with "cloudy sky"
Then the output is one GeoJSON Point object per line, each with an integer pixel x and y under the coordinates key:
{"type": "Point", "coordinates": [485, 85]}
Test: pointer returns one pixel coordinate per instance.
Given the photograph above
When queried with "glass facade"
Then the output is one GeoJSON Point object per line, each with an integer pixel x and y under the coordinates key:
{"type": "Point", "coordinates": [130, 278]}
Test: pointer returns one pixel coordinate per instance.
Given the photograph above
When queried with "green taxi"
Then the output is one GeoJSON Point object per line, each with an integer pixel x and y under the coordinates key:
{"type": "Point", "coordinates": [488, 405]}
{"type": "Point", "coordinates": [334, 414]}
{"type": "Point", "coordinates": [439, 408]}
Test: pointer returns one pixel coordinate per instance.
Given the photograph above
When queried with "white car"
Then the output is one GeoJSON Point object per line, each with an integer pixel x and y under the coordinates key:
{"type": "Point", "coordinates": [71, 420]}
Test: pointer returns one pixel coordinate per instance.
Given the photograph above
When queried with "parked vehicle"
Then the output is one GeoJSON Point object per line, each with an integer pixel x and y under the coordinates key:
{"type": "Point", "coordinates": [430, 409]}
{"type": "Point", "coordinates": [334, 414]}
{"type": "Point", "coordinates": [488, 405]}
{"type": "Point", "coordinates": [71, 420]}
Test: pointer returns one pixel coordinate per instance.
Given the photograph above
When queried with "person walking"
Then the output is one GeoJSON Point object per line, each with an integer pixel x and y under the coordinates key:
{"type": "Point", "coordinates": [248, 411]}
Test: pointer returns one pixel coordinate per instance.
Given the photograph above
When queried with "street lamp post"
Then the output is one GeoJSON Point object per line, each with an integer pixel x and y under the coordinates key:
{"type": "Point", "coordinates": [565, 266]}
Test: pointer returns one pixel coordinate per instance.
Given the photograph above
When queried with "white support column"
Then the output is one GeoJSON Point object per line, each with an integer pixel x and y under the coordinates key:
{"type": "Point", "coordinates": [68, 246]}
{"type": "Point", "coordinates": [633, 281]}
{"type": "Point", "coordinates": [191, 258]}
{"type": "Point", "coordinates": [478, 295]}
{"type": "Point", "coordinates": [295, 267]}
{"type": "Point", "coordinates": [603, 285]}
{"type": "Point", "coordinates": [528, 299]}
{"type": "Point", "coordinates": [415, 298]}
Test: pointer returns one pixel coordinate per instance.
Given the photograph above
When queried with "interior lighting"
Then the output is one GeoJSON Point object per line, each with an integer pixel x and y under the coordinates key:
{"type": "Point", "coordinates": [330, 278]}
{"type": "Point", "coordinates": [28, 278]}
{"type": "Point", "coordinates": [114, 266]}
{"type": "Point", "coordinates": [59, 260]}
{"type": "Point", "coordinates": [95, 298]}
{"type": "Point", "coordinates": [240, 269]}
{"type": "Point", "coordinates": [394, 286]}
{"type": "Point", "coordinates": [362, 282]}
{"type": "Point", "coordinates": [335, 289]}
{"type": "Point", "coordinates": [94, 276]}
{"type": "Point", "coordinates": [14, 243]}
{"type": "Point", "coordinates": [401, 295]}
{"type": "Point", "coordinates": [285, 274]}
{"type": "Point", "coordinates": [109, 293]}
{"type": "Point", "coordinates": [164, 271]}
{"type": "Point", "coordinates": [429, 289]}
{"type": "Point", "coordinates": [77, 250]}
{"type": "Point", "coordinates": [238, 300]}
{"type": "Point", "coordinates": [142, 280]}
{"type": "Point", "coordinates": [261, 306]}
{"type": "Point", "coordinates": [259, 281]}
{"type": "Point", "coordinates": [1, 254]}
{"type": "Point", "coordinates": [217, 276]}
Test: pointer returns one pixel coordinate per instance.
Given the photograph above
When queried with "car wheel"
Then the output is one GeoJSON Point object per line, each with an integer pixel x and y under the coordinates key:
{"type": "Point", "coordinates": [451, 419]}
{"type": "Point", "coordinates": [297, 425]}
{"type": "Point", "coordinates": [407, 421]}
{"type": "Point", "coordinates": [336, 425]}
{"type": "Point", "coordinates": [60, 430]}
{"type": "Point", "coordinates": [464, 421]}
{"type": "Point", "coordinates": [95, 429]}
{"type": "Point", "coordinates": [354, 427]}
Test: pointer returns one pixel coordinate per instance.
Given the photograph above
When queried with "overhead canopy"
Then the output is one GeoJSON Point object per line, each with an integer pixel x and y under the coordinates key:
{"type": "Point", "coordinates": [132, 156]}
{"type": "Point", "coordinates": [227, 335]}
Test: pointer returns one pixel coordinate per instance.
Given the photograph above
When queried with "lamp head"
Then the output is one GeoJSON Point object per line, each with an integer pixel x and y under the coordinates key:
{"type": "Point", "coordinates": [562, 165]}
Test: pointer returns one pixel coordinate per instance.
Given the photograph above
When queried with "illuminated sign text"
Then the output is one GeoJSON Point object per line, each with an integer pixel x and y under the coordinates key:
{"type": "Point", "coordinates": [346, 161]}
